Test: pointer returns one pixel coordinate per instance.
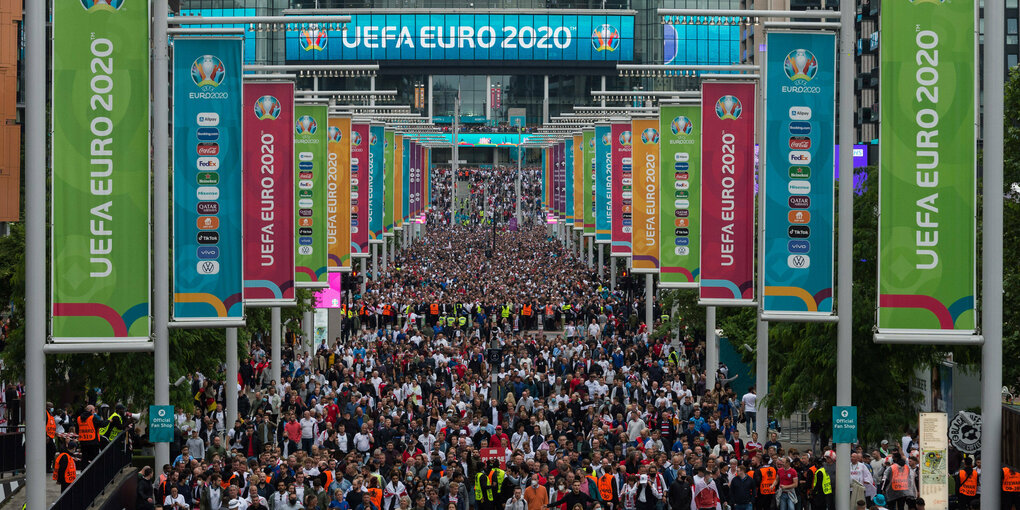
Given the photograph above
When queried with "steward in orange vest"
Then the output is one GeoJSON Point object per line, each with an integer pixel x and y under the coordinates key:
{"type": "Point", "coordinates": [64, 470]}
{"type": "Point", "coordinates": [966, 484]}
{"type": "Point", "coordinates": [1010, 489]}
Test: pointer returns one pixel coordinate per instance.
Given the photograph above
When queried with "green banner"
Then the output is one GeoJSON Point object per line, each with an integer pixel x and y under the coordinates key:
{"type": "Point", "coordinates": [680, 196]}
{"type": "Point", "coordinates": [388, 183]}
{"type": "Point", "coordinates": [310, 135]}
{"type": "Point", "coordinates": [100, 270]}
{"type": "Point", "coordinates": [926, 273]}
{"type": "Point", "coordinates": [588, 147]}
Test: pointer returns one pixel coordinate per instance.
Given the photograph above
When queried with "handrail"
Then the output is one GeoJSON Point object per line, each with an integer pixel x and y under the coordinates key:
{"type": "Point", "coordinates": [12, 450]}
{"type": "Point", "coordinates": [97, 475]}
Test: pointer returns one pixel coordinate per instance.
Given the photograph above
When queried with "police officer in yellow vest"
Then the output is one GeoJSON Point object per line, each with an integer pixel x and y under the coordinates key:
{"type": "Point", "coordinates": [496, 494]}
{"type": "Point", "coordinates": [114, 425]}
{"type": "Point", "coordinates": [821, 489]}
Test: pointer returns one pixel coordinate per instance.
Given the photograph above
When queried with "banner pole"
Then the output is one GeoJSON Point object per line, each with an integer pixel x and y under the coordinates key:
{"type": "Point", "coordinates": [364, 278]}
{"type": "Point", "coordinates": [274, 335]}
{"type": "Point", "coordinates": [160, 220]}
{"type": "Point", "coordinates": [761, 382]}
{"type": "Point", "coordinates": [711, 349]}
{"type": "Point", "coordinates": [308, 325]}
{"type": "Point", "coordinates": [991, 299]}
{"type": "Point", "coordinates": [35, 253]}
{"type": "Point", "coordinates": [844, 290]}
{"type": "Point", "coordinates": [649, 290]}
{"type": "Point", "coordinates": [602, 262]}
{"type": "Point", "coordinates": [230, 380]}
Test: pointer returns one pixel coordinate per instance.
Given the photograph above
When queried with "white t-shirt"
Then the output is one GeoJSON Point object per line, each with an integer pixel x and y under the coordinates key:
{"type": "Point", "coordinates": [172, 502]}
{"type": "Point", "coordinates": [363, 442]}
{"type": "Point", "coordinates": [750, 401]}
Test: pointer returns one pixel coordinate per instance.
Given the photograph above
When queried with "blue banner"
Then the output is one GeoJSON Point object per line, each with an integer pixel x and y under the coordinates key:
{"type": "Point", "coordinates": [485, 36]}
{"type": "Point", "coordinates": [207, 179]}
{"type": "Point", "coordinates": [701, 43]}
{"type": "Point", "coordinates": [800, 88]}
{"type": "Point", "coordinates": [603, 184]}
{"type": "Point", "coordinates": [568, 182]}
{"type": "Point", "coordinates": [405, 183]}
{"type": "Point", "coordinates": [376, 178]}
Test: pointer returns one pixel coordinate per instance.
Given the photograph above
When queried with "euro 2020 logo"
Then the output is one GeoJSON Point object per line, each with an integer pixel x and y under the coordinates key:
{"type": "Point", "coordinates": [625, 138]}
{"type": "Point", "coordinates": [650, 135]}
{"type": "Point", "coordinates": [372, 139]}
{"type": "Point", "coordinates": [605, 38]}
{"type": "Point", "coordinates": [306, 125]}
{"type": "Point", "coordinates": [605, 139]}
{"type": "Point", "coordinates": [208, 72]}
{"type": "Point", "coordinates": [355, 139]}
{"type": "Point", "coordinates": [680, 125]}
{"type": "Point", "coordinates": [728, 107]}
{"type": "Point", "coordinates": [267, 108]}
{"type": "Point", "coordinates": [334, 134]}
{"type": "Point", "coordinates": [800, 64]}
{"type": "Point", "coordinates": [101, 5]}
{"type": "Point", "coordinates": [313, 39]}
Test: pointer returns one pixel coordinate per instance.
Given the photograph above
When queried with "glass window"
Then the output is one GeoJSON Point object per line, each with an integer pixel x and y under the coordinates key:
{"type": "Point", "coordinates": [1011, 60]}
{"type": "Point", "coordinates": [1010, 25]}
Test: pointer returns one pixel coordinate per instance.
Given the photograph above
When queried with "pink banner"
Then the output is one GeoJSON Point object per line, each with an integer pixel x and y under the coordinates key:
{"type": "Point", "coordinates": [332, 296]}
{"type": "Point", "coordinates": [268, 177]}
{"type": "Point", "coordinates": [623, 188]}
{"type": "Point", "coordinates": [359, 187]}
{"type": "Point", "coordinates": [727, 200]}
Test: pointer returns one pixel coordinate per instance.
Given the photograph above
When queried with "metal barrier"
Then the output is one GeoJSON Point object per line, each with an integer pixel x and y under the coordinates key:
{"type": "Point", "coordinates": [91, 482]}
{"type": "Point", "coordinates": [12, 451]}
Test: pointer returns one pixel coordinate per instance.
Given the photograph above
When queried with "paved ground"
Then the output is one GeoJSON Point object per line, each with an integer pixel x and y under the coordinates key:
{"type": "Point", "coordinates": [18, 499]}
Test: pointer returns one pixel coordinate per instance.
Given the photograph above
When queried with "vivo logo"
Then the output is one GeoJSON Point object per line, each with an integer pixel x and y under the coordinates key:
{"type": "Point", "coordinates": [682, 241]}
{"type": "Point", "coordinates": [208, 252]}
{"type": "Point", "coordinates": [305, 241]}
{"type": "Point", "coordinates": [799, 246]}
{"type": "Point", "coordinates": [208, 119]}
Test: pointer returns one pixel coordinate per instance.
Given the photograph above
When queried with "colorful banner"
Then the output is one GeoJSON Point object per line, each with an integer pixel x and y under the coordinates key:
{"type": "Point", "coordinates": [727, 185]}
{"type": "Point", "coordinates": [268, 193]}
{"type": "Point", "coordinates": [568, 180]}
{"type": "Point", "coordinates": [680, 199]}
{"type": "Point", "coordinates": [100, 251]}
{"type": "Point", "coordinates": [207, 186]}
{"type": "Point", "coordinates": [332, 296]}
{"type": "Point", "coordinates": [577, 183]}
{"type": "Point", "coordinates": [375, 182]}
{"type": "Point", "coordinates": [360, 187]}
{"type": "Point", "coordinates": [603, 185]}
{"type": "Point", "coordinates": [338, 176]}
{"type": "Point", "coordinates": [427, 185]}
{"type": "Point", "coordinates": [622, 188]}
{"type": "Point", "coordinates": [405, 180]}
{"type": "Point", "coordinates": [312, 227]}
{"type": "Point", "coordinates": [797, 257]}
{"type": "Point", "coordinates": [389, 145]}
{"type": "Point", "coordinates": [588, 145]}
{"type": "Point", "coordinates": [926, 228]}
{"type": "Point", "coordinates": [546, 189]}
{"type": "Point", "coordinates": [559, 150]}
{"type": "Point", "coordinates": [645, 236]}
{"type": "Point", "coordinates": [398, 181]}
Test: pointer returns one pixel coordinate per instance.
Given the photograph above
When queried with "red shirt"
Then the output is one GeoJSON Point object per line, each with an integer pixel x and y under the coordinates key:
{"type": "Point", "coordinates": [787, 476]}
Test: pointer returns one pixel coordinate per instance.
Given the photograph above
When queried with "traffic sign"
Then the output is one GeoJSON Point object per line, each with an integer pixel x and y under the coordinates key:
{"type": "Point", "coordinates": [965, 432]}
{"type": "Point", "coordinates": [844, 424]}
{"type": "Point", "coordinates": [161, 424]}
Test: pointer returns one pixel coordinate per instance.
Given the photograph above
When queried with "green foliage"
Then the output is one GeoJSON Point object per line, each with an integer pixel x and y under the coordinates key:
{"type": "Point", "coordinates": [1011, 234]}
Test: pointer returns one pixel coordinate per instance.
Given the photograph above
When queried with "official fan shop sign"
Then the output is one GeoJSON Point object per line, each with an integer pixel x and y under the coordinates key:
{"type": "Point", "coordinates": [310, 195]}
{"type": "Point", "coordinates": [269, 194]}
{"type": "Point", "coordinates": [680, 196]}
{"type": "Point", "coordinates": [207, 275]}
{"type": "Point", "coordinates": [161, 424]}
{"type": "Point", "coordinates": [727, 199]}
{"type": "Point", "coordinates": [100, 252]}
{"type": "Point", "coordinates": [797, 261]}
{"type": "Point", "coordinates": [645, 236]}
{"type": "Point", "coordinates": [603, 184]}
{"type": "Point", "coordinates": [844, 424]}
{"type": "Point", "coordinates": [926, 230]}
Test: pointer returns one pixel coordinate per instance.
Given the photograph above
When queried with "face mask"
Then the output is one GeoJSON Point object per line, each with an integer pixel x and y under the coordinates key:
{"type": "Point", "coordinates": [534, 483]}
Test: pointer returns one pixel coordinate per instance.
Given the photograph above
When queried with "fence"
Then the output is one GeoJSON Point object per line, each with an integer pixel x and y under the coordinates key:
{"type": "Point", "coordinates": [91, 482]}
{"type": "Point", "coordinates": [12, 451]}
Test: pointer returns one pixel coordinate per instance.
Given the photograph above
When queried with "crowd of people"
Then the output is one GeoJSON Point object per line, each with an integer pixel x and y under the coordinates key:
{"type": "Point", "coordinates": [494, 373]}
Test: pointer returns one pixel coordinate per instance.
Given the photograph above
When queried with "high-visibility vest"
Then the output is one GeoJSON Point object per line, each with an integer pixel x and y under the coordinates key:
{"type": "Point", "coordinates": [968, 484]}
{"type": "Point", "coordinates": [462, 320]}
{"type": "Point", "coordinates": [329, 479]}
{"type": "Point", "coordinates": [548, 310]}
{"type": "Point", "coordinates": [826, 481]}
{"type": "Point", "coordinates": [1010, 480]}
{"type": "Point", "coordinates": [664, 317]}
{"type": "Point", "coordinates": [375, 496]}
{"type": "Point", "coordinates": [108, 430]}
{"type": "Point", "coordinates": [428, 474]}
{"type": "Point", "coordinates": [434, 309]}
{"type": "Point", "coordinates": [900, 477]}
{"type": "Point", "coordinates": [499, 483]}
{"type": "Point", "coordinates": [51, 426]}
{"type": "Point", "coordinates": [387, 309]}
{"type": "Point", "coordinates": [451, 320]}
{"type": "Point", "coordinates": [526, 311]}
{"type": "Point", "coordinates": [478, 486]}
{"type": "Point", "coordinates": [86, 429]}
{"type": "Point", "coordinates": [506, 311]}
{"type": "Point", "coordinates": [70, 473]}
{"type": "Point", "coordinates": [605, 484]}
{"type": "Point", "coordinates": [768, 477]}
